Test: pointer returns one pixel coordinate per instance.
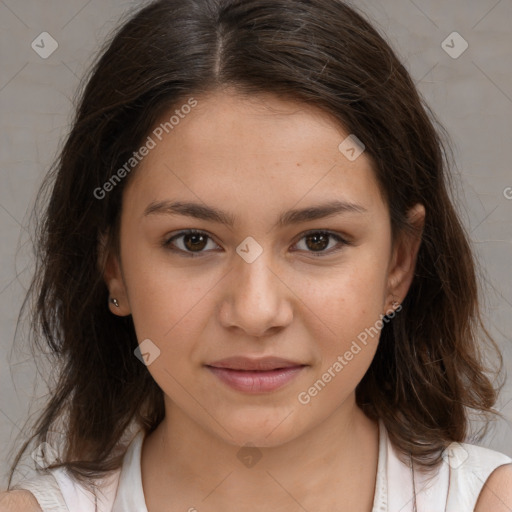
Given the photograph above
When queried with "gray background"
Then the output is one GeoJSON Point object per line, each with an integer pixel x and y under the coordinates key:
{"type": "Point", "coordinates": [471, 94]}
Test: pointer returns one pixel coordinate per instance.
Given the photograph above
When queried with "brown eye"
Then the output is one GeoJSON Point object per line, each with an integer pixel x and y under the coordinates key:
{"type": "Point", "coordinates": [190, 241]}
{"type": "Point", "coordinates": [318, 242]}
{"type": "Point", "coordinates": [194, 241]}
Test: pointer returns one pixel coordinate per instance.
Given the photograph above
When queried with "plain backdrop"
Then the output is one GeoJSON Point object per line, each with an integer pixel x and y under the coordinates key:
{"type": "Point", "coordinates": [470, 91]}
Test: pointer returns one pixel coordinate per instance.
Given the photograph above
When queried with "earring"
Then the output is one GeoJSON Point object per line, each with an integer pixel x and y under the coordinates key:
{"type": "Point", "coordinates": [114, 301]}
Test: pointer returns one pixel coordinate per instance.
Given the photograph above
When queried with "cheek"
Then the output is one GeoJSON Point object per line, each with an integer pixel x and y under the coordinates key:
{"type": "Point", "coordinates": [345, 327]}
{"type": "Point", "coordinates": [345, 332]}
{"type": "Point", "coordinates": [347, 301]}
{"type": "Point", "coordinates": [171, 310]}
{"type": "Point", "coordinates": [164, 297]}
{"type": "Point", "coordinates": [166, 305]}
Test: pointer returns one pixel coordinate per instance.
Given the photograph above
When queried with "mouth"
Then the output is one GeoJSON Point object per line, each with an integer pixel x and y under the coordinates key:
{"type": "Point", "coordinates": [255, 376]}
{"type": "Point", "coordinates": [242, 363]}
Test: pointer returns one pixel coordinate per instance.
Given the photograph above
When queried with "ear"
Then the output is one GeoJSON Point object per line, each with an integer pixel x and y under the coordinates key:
{"type": "Point", "coordinates": [405, 252]}
{"type": "Point", "coordinates": [110, 268]}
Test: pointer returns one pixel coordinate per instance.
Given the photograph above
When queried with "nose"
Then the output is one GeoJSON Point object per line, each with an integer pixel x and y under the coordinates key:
{"type": "Point", "coordinates": [257, 300]}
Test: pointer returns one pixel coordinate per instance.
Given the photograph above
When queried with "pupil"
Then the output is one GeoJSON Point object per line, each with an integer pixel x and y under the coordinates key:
{"type": "Point", "coordinates": [195, 243]}
{"type": "Point", "coordinates": [316, 237]}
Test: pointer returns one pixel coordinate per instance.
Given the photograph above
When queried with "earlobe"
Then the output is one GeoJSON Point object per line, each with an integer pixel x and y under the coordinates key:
{"type": "Point", "coordinates": [114, 301]}
{"type": "Point", "coordinates": [110, 269]}
{"type": "Point", "coordinates": [405, 254]}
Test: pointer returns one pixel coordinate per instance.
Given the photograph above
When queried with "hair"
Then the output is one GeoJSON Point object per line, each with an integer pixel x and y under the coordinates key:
{"type": "Point", "coordinates": [428, 373]}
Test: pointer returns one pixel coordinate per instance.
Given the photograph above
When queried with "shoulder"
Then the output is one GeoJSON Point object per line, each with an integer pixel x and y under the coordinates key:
{"type": "Point", "coordinates": [470, 458]}
{"type": "Point", "coordinates": [480, 478]}
{"type": "Point", "coordinates": [18, 501]}
{"type": "Point", "coordinates": [496, 495]}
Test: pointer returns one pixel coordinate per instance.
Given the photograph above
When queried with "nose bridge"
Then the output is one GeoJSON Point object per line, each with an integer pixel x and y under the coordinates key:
{"type": "Point", "coordinates": [256, 299]}
{"type": "Point", "coordinates": [254, 282]}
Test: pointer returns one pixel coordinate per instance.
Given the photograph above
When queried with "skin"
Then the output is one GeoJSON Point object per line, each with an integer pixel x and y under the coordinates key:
{"type": "Point", "coordinates": [255, 158]}
{"type": "Point", "coordinates": [496, 494]}
{"type": "Point", "coordinates": [237, 154]}
{"type": "Point", "coordinates": [18, 501]}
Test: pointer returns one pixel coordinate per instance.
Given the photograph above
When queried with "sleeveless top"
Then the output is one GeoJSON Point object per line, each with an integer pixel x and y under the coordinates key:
{"type": "Point", "coordinates": [453, 487]}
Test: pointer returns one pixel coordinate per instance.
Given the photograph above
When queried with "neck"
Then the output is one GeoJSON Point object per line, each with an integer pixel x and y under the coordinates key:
{"type": "Point", "coordinates": [337, 458]}
{"type": "Point", "coordinates": [182, 461]}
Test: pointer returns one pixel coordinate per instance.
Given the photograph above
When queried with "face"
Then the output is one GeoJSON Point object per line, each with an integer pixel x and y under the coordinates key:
{"type": "Point", "coordinates": [305, 289]}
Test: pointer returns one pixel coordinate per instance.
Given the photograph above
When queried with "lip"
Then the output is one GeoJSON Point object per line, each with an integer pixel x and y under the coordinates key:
{"type": "Point", "coordinates": [249, 375]}
{"type": "Point", "coordinates": [254, 381]}
{"type": "Point", "coordinates": [255, 364]}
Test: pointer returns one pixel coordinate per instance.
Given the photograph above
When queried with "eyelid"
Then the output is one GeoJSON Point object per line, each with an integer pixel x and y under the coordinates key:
{"type": "Point", "coordinates": [167, 243]}
{"type": "Point", "coordinates": [341, 239]}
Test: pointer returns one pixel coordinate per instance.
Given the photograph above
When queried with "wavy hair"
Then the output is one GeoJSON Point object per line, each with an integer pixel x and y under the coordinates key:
{"type": "Point", "coordinates": [428, 372]}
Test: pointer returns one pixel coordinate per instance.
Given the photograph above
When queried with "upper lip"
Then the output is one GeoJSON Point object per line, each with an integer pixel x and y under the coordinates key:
{"type": "Point", "coordinates": [248, 363]}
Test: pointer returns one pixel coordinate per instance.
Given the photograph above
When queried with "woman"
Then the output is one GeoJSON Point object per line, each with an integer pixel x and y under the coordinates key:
{"type": "Point", "coordinates": [252, 276]}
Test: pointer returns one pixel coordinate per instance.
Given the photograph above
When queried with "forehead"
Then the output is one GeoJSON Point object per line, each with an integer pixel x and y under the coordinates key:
{"type": "Point", "coordinates": [259, 149]}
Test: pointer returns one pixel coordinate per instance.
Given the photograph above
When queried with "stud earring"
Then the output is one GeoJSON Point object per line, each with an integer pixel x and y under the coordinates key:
{"type": "Point", "coordinates": [395, 304]}
{"type": "Point", "coordinates": [115, 302]}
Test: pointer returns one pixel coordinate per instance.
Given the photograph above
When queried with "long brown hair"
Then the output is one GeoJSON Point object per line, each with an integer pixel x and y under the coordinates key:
{"type": "Point", "coordinates": [428, 370]}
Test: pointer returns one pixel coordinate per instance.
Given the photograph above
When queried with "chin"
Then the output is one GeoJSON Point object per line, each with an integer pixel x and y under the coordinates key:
{"type": "Point", "coordinates": [264, 431]}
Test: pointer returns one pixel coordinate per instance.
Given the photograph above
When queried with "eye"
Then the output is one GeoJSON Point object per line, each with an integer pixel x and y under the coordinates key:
{"type": "Point", "coordinates": [192, 241]}
{"type": "Point", "coordinates": [318, 241]}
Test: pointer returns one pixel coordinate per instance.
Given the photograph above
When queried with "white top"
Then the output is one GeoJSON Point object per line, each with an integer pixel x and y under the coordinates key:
{"type": "Point", "coordinates": [454, 487]}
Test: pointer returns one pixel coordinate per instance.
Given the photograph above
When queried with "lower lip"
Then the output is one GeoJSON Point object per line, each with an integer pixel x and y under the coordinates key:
{"type": "Point", "coordinates": [254, 381]}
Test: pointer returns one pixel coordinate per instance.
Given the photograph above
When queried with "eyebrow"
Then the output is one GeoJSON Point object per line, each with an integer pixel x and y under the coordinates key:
{"type": "Point", "coordinates": [208, 213]}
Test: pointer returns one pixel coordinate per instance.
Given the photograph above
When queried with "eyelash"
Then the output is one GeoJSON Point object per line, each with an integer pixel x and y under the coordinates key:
{"type": "Point", "coordinates": [168, 242]}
